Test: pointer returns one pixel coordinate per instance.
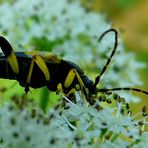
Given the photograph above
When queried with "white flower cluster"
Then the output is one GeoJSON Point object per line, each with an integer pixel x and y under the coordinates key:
{"type": "Point", "coordinates": [65, 27]}
{"type": "Point", "coordinates": [76, 126]}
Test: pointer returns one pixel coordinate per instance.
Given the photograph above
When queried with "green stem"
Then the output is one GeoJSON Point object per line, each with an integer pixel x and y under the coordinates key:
{"type": "Point", "coordinates": [114, 137]}
{"type": "Point", "coordinates": [133, 143]}
{"type": "Point", "coordinates": [103, 132]}
{"type": "Point", "coordinates": [44, 99]}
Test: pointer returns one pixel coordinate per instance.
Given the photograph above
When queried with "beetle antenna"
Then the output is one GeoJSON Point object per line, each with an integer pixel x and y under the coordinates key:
{"type": "Point", "coordinates": [97, 80]}
{"type": "Point", "coordinates": [122, 88]}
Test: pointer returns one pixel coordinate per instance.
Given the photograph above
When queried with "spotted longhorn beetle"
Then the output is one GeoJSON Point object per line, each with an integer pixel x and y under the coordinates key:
{"type": "Point", "coordinates": [33, 69]}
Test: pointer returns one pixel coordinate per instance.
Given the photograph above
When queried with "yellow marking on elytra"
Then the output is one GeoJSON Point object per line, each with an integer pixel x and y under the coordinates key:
{"type": "Point", "coordinates": [46, 56]}
{"type": "Point", "coordinates": [13, 62]}
{"type": "Point", "coordinates": [51, 58]}
{"type": "Point", "coordinates": [42, 65]}
{"type": "Point", "coordinates": [69, 79]}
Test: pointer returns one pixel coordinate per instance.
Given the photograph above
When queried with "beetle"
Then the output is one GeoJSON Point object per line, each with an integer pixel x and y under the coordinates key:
{"type": "Point", "coordinates": [33, 69]}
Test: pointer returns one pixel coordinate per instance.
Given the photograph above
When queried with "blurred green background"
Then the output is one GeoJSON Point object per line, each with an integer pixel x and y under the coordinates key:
{"type": "Point", "coordinates": [128, 16]}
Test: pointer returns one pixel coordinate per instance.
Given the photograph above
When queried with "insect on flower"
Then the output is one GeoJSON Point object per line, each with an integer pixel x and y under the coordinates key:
{"type": "Point", "coordinates": [38, 69]}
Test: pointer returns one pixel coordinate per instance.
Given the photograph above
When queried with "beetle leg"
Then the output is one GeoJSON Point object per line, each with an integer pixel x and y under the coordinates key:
{"type": "Point", "coordinates": [72, 91]}
{"type": "Point", "coordinates": [42, 65]}
{"type": "Point", "coordinates": [70, 94]}
{"type": "Point", "coordinates": [59, 88]}
{"type": "Point", "coordinates": [29, 76]}
{"type": "Point", "coordinates": [82, 86]}
{"type": "Point", "coordinates": [69, 79]}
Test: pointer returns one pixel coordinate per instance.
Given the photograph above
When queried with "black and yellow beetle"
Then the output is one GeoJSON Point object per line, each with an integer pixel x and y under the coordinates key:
{"type": "Point", "coordinates": [35, 70]}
